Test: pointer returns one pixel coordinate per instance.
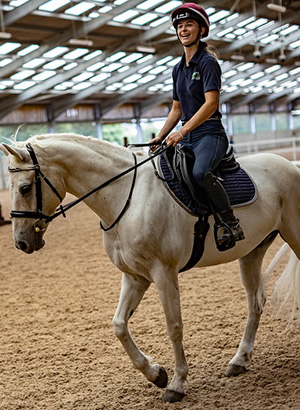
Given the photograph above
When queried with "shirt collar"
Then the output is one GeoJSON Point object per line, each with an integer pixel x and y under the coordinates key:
{"type": "Point", "coordinates": [196, 57]}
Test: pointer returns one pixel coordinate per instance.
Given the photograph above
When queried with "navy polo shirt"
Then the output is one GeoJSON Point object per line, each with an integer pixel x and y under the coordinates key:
{"type": "Point", "coordinates": [191, 82]}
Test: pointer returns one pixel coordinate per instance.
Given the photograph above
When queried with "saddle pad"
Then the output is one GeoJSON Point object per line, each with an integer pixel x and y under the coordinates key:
{"type": "Point", "coordinates": [239, 186]}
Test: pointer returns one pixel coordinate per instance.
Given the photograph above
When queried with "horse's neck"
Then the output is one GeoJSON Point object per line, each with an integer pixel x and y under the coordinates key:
{"type": "Point", "coordinates": [85, 164]}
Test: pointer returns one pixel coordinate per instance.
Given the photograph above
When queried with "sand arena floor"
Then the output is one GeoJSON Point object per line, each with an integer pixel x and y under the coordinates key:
{"type": "Point", "coordinates": [58, 350]}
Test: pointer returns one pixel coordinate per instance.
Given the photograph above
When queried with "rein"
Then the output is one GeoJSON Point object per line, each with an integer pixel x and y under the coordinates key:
{"type": "Point", "coordinates": [39, 215]}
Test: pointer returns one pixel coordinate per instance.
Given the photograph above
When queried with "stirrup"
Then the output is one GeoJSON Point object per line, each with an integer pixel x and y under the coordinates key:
{"type": "Point", "coordinates": [223, 245]}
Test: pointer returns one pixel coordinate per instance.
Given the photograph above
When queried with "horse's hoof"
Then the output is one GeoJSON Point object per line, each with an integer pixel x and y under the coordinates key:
{"type": "Point", "coordinates": [234, 370]}
{"type": "Point", "coordinates": [162, 378]}
{"type": "Point", "coordinates": [172, 396]}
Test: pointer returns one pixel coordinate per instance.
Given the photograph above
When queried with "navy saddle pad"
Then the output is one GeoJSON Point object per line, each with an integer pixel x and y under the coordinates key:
{"type": "Point", "coordinates": [239, 186]}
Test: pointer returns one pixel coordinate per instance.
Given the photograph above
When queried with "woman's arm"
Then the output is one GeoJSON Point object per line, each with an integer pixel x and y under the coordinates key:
{"type": "Point", "coordinates": [204, 112]}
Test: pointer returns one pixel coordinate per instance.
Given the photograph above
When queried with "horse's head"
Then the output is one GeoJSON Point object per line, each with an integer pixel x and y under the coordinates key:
{"type": "Point", "coordinates": [34, 198]}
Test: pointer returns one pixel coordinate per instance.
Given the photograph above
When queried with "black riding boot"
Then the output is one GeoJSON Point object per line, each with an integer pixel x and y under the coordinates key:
{"type": "Point", "coordinates": [221, 204]}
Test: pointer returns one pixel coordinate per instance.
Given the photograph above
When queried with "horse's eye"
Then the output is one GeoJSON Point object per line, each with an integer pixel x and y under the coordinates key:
{"type": "Point", "coordinates": [25, 189]}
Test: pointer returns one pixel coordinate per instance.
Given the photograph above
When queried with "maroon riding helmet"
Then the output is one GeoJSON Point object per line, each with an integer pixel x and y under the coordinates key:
{"type": "Point", "coordinates": [191, 11]}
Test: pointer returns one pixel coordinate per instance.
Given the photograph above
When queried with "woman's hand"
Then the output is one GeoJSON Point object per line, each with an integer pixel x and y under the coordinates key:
{"type": "Point", "coordinates": [155, 143]}
{"type": "Point", "coordinates": [174, 138]}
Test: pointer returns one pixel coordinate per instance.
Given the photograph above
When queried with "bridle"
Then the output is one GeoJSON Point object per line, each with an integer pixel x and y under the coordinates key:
{"type": "Point", "coordinates": [61, 210]}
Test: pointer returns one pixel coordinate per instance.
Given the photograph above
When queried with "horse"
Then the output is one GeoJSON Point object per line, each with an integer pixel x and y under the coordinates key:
{"type": "Point", "coordinates": [151, 235]}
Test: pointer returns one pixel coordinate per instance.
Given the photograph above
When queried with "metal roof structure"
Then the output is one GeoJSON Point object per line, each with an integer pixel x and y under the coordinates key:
{"type": "Point", "coordinates": [60, 53]}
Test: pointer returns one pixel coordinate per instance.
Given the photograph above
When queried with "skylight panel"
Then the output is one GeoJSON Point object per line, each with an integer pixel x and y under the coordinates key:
{"type": "Point", "coordinates": [44, 75]}
{"type": "Point", "coordinates": [245, 66]}
{"type": "Point", "coordinates": [230, 35]}
{"type": "Point", "coordinates": [53, 65]}
{"type": "Point", "coordinates": [269, 39]}
{"type": "Point", "coordinates": [111, 67]}
{"type": "Point", "coordinates": [167, 88]}
{"type": "Point", "coordinates": [295, 71]}
{"type": "Point", "coordinates": [34, 63]}
{"type": "Point", "coordinates": [210, 10]}
{"type": "Point", "coordinates": [55, 52]}
{"type": "Point", "coordinates": [145, 58]}
{"type": "Point", "coordinates": [240, 31]}
{"type": "Point", "coordinates": [8, 47]}
{"type": "Point", "coordinates": [70, 66]}
{"type": "Point", "coordinates": [123, 69]}
{"type": "Point", "coordinates": [229, 73]}
{"type": "Point", "coordinates": [79, 8]}
{"type": "Point", "coordinates": [145, 79]}
{"type": "Point", "coordinates": [295, 44]}
{"type": "Point", "coordinates": [166, 8]}
{"type": "Point", "coordinates": [223, 32]}
{"type": "Point", "coordinates": [82, 77]}
{"type": "Point", "coordinates": [24, 85]}
{"type": "Point", "coordinates": [164, 60]}
{"type": "Point", "coordinates": [28, 50]}
{"type": "Point", "coordinates": [145, 69]}
{"type": "Point", "coordinates": [129, 87]}
{"type": "Point", "coordinates": [81, 86]}
{"type": "Point", "coordinates": [281, 77]}
{"type": "Point", "coordinates": [132, 78]}
{"type": "Point", "coordinates": [96, 66]}
{"type": "Point", "coordinates": [158, 70]}
{"type": "Point", "coordinates": [131, 57]}
{"type": "Point", "coordinates": [17, 3]}
{"type": "Point", "coordinates": [21, 75]}
{"type": "Point", "coordinates": [105, 9]}
{"type": "Point", "coordinates": [116, 56]}
{"type": "Point", "coordinates": [78, 52]}
{"type": "Point", "coordinates": [174, 62]}
{"type": "Point", "coordinates": [100, 1]}
{"type": "Point", "coordinates": [7, 83]}
{"type": "Point", "coordinates": [218, 16]}
{"type": "Point", "coordinates": [119, 2]}
{"type": "Point", "coordinates": [289, 30]}
{"type": "Point", "coordinates": [255, 76]}
{"type": "Point", "coordinates": [92, 55]}
{"type": "Point", "coordinates": [5, 61]}
{"type": "Point", "coordinates": [245, 22]}
{"type": "Point", "coordinates": [148, 4]}
{"type": "Point", "coordinates": [145, 18]}
{"type": "Point", "coordinates": [272, 68]}
{"type": "Point", "coordinates": [53, 5]}
{"type": "Point", "coordinates": [257, 23]}
{"type": "Point", "coordinates": [244, 83]}
{"type": "Point", "coordinates": [100, 77]}
{"type": "Point", "coordinates": [159, 21]}
{"type": "Point", "coordinates": [127, 15]}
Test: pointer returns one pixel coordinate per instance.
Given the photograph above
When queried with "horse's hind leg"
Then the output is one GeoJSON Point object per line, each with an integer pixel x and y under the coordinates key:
{"type": "Point", "coordinates": [132, 292]}
{"type": "Point", "coordinates": [250, 270]}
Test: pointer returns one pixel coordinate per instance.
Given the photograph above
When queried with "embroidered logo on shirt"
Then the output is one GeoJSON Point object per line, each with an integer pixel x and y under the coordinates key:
{"type": "Point", "coordinates": [196, 76]}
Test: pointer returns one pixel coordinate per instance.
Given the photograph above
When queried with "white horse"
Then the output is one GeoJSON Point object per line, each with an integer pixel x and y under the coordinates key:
{"type": "Point", "coordinates": [154, 237]}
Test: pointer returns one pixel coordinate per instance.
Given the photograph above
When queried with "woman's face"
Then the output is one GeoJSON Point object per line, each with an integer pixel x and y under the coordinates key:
{"type": "Point", "coordinates": [187, 31]}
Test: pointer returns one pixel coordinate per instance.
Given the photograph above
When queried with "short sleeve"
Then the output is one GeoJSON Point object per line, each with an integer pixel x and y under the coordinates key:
{"type": "Point", "coordinates": [211, 75]}
{"type": "Point", "coordinates": [174, 76]}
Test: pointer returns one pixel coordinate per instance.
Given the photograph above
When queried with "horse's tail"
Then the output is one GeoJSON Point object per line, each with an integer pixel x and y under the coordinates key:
{"type": "Point", "coordinates": [286, 292]}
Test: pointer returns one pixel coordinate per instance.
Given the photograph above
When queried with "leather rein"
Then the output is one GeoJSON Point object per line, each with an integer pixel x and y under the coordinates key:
{"type": "Point", "coordinates": [61, 210]}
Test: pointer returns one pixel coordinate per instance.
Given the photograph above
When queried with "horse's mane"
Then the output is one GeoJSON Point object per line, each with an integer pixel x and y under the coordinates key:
{"type": "Point", "coordinates": [89, 142]}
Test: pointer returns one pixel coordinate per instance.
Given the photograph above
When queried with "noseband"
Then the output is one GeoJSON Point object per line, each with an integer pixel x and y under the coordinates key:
{"type": "Point", "coordinates": [38, 214]}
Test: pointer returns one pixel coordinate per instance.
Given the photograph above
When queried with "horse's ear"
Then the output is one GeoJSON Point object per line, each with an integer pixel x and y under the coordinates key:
{"type": "Point", "coordinates": [17, 152]}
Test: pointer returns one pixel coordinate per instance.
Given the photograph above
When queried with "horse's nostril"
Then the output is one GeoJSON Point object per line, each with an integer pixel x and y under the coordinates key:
{"type": "Point", "coordinates": [22, 245]}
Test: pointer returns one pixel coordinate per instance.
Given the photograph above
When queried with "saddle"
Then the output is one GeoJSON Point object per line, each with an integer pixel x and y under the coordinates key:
{"type": "Point", "coordinates": [175, 167]}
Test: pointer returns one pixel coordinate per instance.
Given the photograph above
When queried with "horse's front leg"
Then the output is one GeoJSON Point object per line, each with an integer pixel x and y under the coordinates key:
{"type": "Point", "coordinates": [132, 292]}
{"type": "Point", "coordinates": [168, 289]}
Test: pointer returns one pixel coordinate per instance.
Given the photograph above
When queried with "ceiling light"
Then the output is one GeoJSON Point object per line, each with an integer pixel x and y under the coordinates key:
{"type": "Point", "coordinates": [80, 42]}
{"type": "Point", "coordinates": [237, 57]}
{"type": "Point", "coordinates": [146, 49]}
{"type": "Point", "coordinates": [5, 35]}
{"type": "Point", "coordinates": [276, 7]}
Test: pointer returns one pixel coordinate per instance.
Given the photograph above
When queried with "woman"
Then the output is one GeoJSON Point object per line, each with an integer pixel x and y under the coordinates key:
{"type": "Point", "coordinates": [196, 89]}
